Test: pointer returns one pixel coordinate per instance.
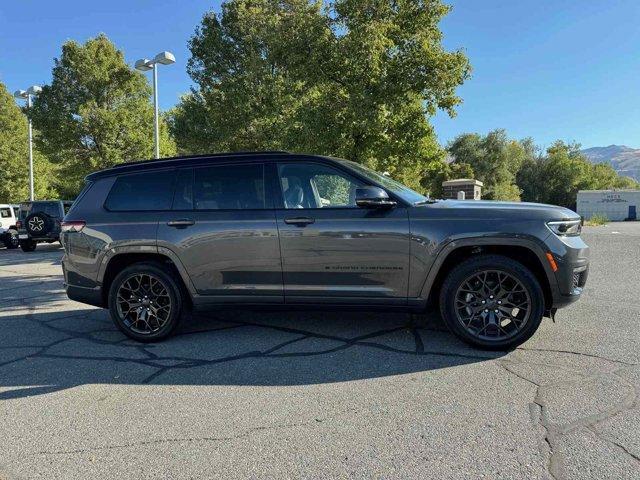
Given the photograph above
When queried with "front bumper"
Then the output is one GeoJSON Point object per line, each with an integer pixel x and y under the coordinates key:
{"type": "Point", "coordinates": [571, 255]}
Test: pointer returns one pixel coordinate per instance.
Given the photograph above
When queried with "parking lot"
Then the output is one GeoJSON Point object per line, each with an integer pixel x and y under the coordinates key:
{"type": "Point", "coordinates": [329, 395]}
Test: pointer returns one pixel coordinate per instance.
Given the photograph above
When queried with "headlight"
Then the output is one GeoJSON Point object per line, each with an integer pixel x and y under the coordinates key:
{"type": "Point", "coordinates": [566, 228]}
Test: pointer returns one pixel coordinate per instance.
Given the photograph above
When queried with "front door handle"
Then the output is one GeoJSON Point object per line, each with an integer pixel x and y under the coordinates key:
{"type": "Point", "coordinates": [300, 221]}
{"type": "Point", "coordinates": [183, 223]}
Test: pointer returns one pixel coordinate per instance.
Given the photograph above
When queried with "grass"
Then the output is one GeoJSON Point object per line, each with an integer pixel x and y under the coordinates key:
{"type": "Point", "coordinates": [597, 219]}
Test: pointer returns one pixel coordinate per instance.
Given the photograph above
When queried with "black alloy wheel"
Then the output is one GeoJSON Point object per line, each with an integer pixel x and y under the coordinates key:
{"type": "Point", "coordinates": [492, 302]}
{"type": "Point", "coordinates": [145, 302]}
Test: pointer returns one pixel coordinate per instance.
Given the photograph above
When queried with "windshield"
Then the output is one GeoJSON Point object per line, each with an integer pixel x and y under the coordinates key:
{"type": "Point", "coordinates": [402, 191]}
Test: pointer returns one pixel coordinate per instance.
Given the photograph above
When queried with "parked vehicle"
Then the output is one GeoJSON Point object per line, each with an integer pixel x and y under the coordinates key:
{"type": "Point", "coordinates": [271, 229]}
{"type": "Point", "coordinates": [39, 222]}
{"type": "Point", "coordinates": [8, 229]}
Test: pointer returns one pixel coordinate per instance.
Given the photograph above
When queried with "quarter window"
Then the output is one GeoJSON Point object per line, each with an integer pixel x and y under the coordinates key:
{"type": "Point", "coordinates": [5, 213]}
{"type": "Point", "coordinates": [312, 185]}
{"type": "Point", "coordinates": [146, 191]}
{"type": "Point", "coordinates": [229, 187]}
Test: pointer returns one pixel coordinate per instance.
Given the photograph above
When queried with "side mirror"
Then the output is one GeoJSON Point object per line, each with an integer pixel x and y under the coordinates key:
{"type": "Point", "coordinates": [373, 197]}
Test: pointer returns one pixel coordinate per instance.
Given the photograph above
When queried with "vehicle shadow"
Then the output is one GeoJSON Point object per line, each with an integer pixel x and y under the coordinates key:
{"type": "Point", "coordinates": [45, 253]}
{"type": "Point", "coordinates": [49, 343]}
{"type": "Point", "coordinates": [48, 349]}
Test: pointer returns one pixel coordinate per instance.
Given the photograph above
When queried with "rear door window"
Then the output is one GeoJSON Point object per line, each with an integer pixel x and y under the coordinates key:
{"type": "Point", "coordinates": [147, 191]}
{"type": "Point", "coordinates": [183, 195]}
{"type": "Point", "coordinates": [229, 187]}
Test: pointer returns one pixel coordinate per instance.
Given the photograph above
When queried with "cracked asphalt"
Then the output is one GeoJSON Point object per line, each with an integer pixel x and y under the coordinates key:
{"type": "Point", "coordinates": [319, 395]}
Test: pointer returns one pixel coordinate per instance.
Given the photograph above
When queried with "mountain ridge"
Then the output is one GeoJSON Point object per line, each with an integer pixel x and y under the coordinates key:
{"type": "Point", "coordinates": [624, 160]}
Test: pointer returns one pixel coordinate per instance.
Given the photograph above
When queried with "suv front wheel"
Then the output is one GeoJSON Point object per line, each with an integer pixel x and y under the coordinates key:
{"type": "Point", "coordinates": [145, 302]}
{"type": "Point", "coordinates": [492, 302]}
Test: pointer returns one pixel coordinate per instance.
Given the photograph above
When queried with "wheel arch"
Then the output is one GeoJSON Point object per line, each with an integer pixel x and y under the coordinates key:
{"type": "Point", "coordinates": [527, 252]}
{"type": "Point", "coordinates": [117, 262]}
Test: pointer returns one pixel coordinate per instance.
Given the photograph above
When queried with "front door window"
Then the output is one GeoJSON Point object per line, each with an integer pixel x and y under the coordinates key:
{"type": "Point", "coordinates": [311, 185]}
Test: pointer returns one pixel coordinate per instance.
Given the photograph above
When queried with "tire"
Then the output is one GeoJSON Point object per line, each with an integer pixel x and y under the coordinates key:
{"type": "Point", "coordinates": [11, 239]}
{"type": "Point", "coordinates": [138, 325]}
{"type": "Point", "coordinates": [38, 224]}
{"type": "Point", "coordinates": [28, 245]}
{"type": "Point", "coordinates": [485, 320]}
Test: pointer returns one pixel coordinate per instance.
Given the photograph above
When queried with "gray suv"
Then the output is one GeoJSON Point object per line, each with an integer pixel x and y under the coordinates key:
{"type": "Point", "coordinates": [274, 229]}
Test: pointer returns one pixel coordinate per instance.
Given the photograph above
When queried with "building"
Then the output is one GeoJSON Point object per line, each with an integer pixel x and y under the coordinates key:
{"type": "Point", "coordinates": [472, 188]}
{"type": "Point", "coordinates": [616, 205]}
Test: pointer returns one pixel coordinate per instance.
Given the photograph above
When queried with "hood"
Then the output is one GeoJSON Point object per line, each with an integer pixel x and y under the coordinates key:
{"type": "Point", "coordinates": [493, 208]}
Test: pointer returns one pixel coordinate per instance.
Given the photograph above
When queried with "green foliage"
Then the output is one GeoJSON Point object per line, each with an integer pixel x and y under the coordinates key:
{"type": "Point", "coordinates": [598, 219]}
{"type": "Point", "coordinates": [333, 189]}
{"type": "Point", "coordinates": [514, 170]}
{"type": "Point", "coordinates": [564, 171]}
{"type": "Point", "coordinates": [14, 155]}
{"type": "Point", "coordinates": [355, 79]}
{"type": "Point", "coordinates": [494, 160]}
{"type": "Point", "coordinates": [96, 113]}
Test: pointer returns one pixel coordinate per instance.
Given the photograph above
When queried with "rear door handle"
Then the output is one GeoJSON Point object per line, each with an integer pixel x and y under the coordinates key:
{"type": "Point", "coordinates": [300, 221]}
{"type": "Point", "coordinates": [183, 223]}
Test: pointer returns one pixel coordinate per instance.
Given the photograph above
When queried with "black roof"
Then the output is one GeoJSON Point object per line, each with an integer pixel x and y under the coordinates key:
{"type": "Point", "coordinates": [189, 160]}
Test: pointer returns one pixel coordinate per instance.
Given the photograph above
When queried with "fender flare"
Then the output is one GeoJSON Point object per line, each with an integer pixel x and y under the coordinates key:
{"type": "Point", "coordinates": [113, 252]}
{"type": "Point", "coordinates": [531, 243]}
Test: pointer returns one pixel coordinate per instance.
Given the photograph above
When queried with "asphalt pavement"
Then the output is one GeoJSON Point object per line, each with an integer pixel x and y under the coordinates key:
{"type": "Point", "coordinates": [241, 394]}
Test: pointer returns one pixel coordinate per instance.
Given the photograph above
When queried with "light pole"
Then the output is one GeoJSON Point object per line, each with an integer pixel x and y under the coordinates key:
{"type": "Point", "coordinates": [144, 64]}
{"type": "Point", "coordinates": [32, 91]}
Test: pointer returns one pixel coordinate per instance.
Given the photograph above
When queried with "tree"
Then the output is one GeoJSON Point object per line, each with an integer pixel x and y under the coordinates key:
{"type": "Point", "coordinates": [14, 155]}
{"type": "Point", "coordinates": [494, 159]}
{"type": "Point", "coordinates": [357, 79]}
{"type": "Point", "coordinates": [96, 113]}
{"type": "Point", "coordinates": [557, 176]}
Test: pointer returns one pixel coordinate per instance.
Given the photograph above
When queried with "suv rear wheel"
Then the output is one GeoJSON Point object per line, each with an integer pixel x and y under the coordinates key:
{"type": "Point", "coordinates": [145, 302]}
{"type": "Point", "coordinates": [28, 245]}
{"type": "Point", "coordinates": [492, 302]}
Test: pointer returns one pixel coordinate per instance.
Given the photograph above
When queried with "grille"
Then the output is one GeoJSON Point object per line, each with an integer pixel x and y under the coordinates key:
{"type": "Point", "coordinates": [579, 279]}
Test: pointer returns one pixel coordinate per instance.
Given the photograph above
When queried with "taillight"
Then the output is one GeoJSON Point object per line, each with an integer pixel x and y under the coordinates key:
{"type": "Point", "coordinates": [72, 226]}
{"type": "Point", "coordinates": [18, 224]}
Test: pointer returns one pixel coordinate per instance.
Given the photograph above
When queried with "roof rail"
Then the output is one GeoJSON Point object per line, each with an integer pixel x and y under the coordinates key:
{"type": "Point", "coordinates": [204, 155]}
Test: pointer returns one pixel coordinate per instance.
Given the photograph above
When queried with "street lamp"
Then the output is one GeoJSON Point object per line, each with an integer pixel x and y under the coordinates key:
{"type": "Point", "coordinates": [32, 91]}
{"type": "Point", "coordinates": [144, 65]}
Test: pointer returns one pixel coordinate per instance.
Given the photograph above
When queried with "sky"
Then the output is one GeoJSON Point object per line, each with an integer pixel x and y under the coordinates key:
{"type": "Point", "coordinates": [547, 69]}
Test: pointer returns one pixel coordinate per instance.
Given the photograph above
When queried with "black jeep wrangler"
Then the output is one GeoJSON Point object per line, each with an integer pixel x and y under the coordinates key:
{"type": "Point", "coordinates": [39, 221]}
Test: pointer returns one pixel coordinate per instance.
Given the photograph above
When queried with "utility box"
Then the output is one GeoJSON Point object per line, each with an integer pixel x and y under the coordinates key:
{"type": "Point", "coordinates": [472, 188]}
{"type": "Point", "coordinates": [616, 205]}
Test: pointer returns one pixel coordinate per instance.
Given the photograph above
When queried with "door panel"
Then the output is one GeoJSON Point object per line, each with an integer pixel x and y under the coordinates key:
{"type": "Point", "coordinates": [337, 252]}
{"type": "Point", "coordinates": [228, 253]}
{"type": "Point", "coordinates": [228, 241]}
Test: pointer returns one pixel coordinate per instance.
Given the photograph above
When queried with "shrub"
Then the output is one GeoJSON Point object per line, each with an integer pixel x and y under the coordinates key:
{"type": "Point", "coordinates": [598, 219]}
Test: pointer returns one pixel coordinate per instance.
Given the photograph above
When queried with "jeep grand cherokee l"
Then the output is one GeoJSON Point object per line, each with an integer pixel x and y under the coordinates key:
{"type": "Point", "coordinates": [146, 239]}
